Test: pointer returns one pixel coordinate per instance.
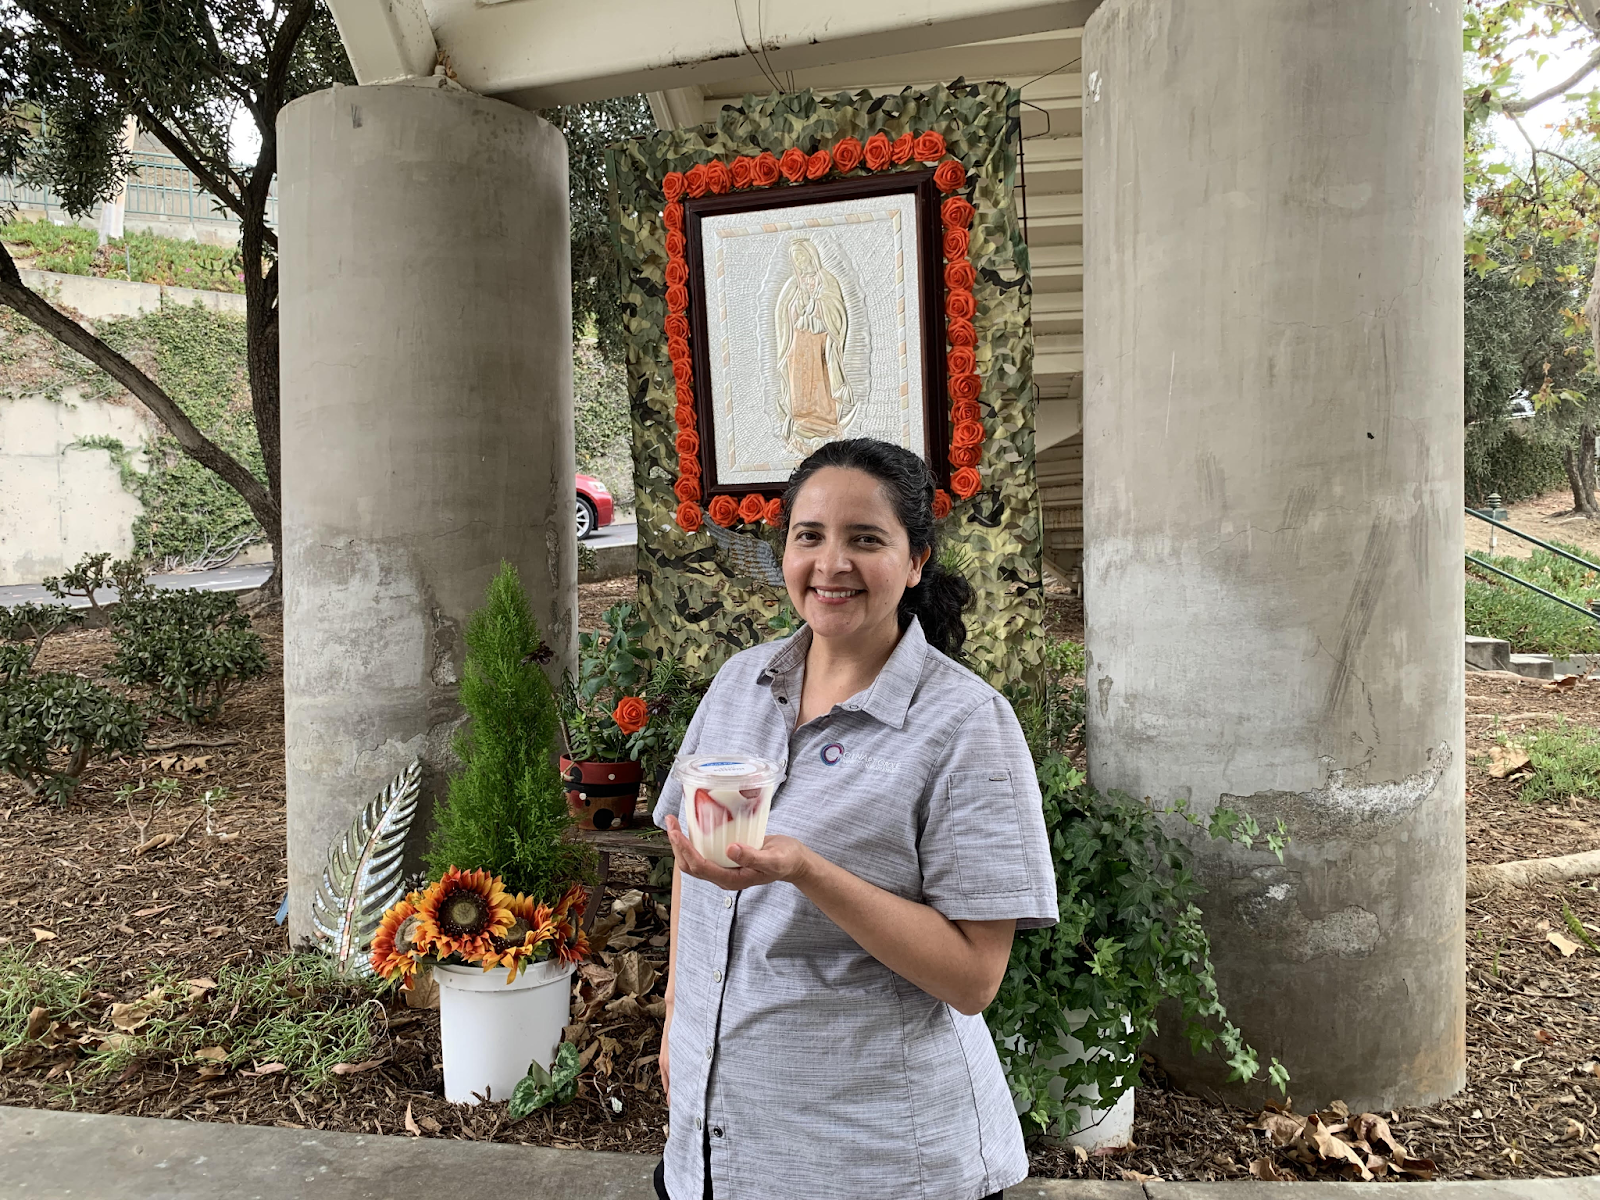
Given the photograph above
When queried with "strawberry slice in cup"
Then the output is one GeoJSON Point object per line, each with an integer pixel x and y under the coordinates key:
{"type": "Point", "coordinates": [727, 798]}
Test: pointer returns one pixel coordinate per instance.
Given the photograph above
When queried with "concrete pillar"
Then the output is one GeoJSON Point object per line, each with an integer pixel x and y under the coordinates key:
{"type": "Point", "coordinates": [1272, 429]}
{"type": "Point", "coordinates": [427, 424]}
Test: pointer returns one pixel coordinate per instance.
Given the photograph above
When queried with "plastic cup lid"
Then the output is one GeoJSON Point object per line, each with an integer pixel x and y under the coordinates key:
{"type": "Point", "coordinates": [727, 770]}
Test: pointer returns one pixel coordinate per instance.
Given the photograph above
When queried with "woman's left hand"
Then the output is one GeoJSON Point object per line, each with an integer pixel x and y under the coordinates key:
{"type": "Point", "coordinates": [779, 859]}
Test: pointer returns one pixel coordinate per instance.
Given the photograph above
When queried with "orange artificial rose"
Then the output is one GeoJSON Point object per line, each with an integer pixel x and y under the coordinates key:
{"type": "Point", "coordinates": [965, 456]}
{"type": "Point", "coordinates": [687, 442]}
{"type": "Point", "coordinates": [965, 387]}
{"type": "Point", "coordinates": [901, 150]}
{"type": "Point", "coordinates": [677, 298]}
{"type": "Point", "coordinates": [689, 516]}
{"type": "Point", "coordinates": [774, 511]}
{"type": "Point", "coordinates": [751, 508]}
{"type": "Point", "coordinates": [676, 326]}
{"type": "Point", "coordinates": [877, 151]}
{"type": "Point", "coordinates": [723, 510]}
{"type": "Point", "coordinates": [684, 390]}
{"type": "Point", "coordinates": [941, 504]}
{"type": "Point", "coordinates": [675, 245]}
{"type": "Point", "coordinates": [819, 164]}
{"type": "Point", "coordinates": [718, 178]}
{"type": "Point", "coordinates": [687, 489]}
{"type": "Point", "coordinates": [683, 371]}
{"type": "Point", "coordinates": [743, 171]}
{"type": "Point", "coordinates": [793, 166]}
{"type": "Point", "coordinates": [966, 482]}
{"type": "Point", "coordinates": [958, 302]}
{"type": "Point", "coordinates": [965, 410]}
{"type": "Point", "coordinates": [929, 147]}
{"type": "Point", "coordinates": [683, 416]}
{"type": "Point", "coordinates": [967, 433]}
{"type": "Point", "coordinates": [677, 272]}
{"type": "Point", "coordinates": [961, 360]}
{"type": "Point", "coordinates": [955, 243]}
{"type": "Point", "coordinates": [847, 154]}
{"type": "Point", "coordinates": [631, 715]}
{"type": "Point", "coordinates": [672, 215]}
{"type": "Point", "coordinates": [766, 170]}
{"type": "Point", "coordinates": [672, 185]}
{"type": "Point", "coordinates": [688, 466]}
{"type": "Point", "coordinates": [950, 176]}
{"type": "Point", "coordinates": [677, 350]}
{"type": "Point", "coordinates": [959, 274]}
{"type": "Point", "coordinates": [961, 333]}
{"type": "Point", "coordinates": [694, 180]}
{"type": "Point", "coordinates": [956, 213]}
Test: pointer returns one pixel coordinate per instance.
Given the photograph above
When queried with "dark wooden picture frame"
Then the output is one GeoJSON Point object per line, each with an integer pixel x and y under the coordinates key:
{"type": "Point", "coordinates": [930, 305]}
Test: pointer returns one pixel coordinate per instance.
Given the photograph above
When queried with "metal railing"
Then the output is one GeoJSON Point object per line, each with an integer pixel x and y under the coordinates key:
{"type": "Point", "coordinates": [1532, 587]}
{"type": "Point", "coordinates": [159, 188]}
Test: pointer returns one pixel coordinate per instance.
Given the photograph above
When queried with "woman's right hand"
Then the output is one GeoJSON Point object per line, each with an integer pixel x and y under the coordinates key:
{"type": "Point", "coordinates": [664, 1058]}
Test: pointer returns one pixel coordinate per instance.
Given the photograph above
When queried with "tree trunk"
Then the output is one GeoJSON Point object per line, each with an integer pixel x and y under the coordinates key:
{"type": "Point", "coordinates": [1569, 460]}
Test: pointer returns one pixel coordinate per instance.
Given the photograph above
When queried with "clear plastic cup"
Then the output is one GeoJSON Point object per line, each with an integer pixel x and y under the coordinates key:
{"type": "Point", "coordinates": [726, 799]}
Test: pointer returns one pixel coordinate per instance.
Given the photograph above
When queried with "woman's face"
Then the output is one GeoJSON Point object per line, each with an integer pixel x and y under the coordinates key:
{"type": "Point", "coordinates": [848, 560]}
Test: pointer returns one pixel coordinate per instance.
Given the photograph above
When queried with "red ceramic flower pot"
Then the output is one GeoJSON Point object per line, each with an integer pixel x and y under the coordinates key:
{"type": "Point", "coordinates": [601, 795]}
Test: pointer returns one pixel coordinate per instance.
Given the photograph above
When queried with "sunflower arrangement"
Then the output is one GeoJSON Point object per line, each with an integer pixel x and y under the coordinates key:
{"type": "Point", "coordinates": [468, 918]}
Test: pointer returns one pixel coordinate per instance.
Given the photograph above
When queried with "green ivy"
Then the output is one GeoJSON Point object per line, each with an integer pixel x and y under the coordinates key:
{"type": "Point", "coordinates": [601, 423]}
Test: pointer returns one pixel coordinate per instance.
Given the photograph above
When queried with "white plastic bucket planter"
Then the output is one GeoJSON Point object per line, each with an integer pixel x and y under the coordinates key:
{"type": "Point", "coordinates": [1098, 1128]}
{"type": "Point", "coordinates": [492, 1029]}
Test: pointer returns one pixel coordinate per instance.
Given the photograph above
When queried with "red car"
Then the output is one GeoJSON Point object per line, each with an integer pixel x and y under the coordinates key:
{"type": "Point", "coordinates": [594, 505]}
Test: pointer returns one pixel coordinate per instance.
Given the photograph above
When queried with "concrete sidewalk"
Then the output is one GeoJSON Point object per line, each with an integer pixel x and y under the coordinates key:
{"type": "Point", "coordinates": [54, 1156]}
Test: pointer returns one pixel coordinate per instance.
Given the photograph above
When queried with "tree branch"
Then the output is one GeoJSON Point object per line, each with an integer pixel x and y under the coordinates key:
{"type": "Point", "coordinates": [1515, 107]}
{"type": "Point", "coordinates": [17, 295]}
{"type": "Point", "coordinates": [1575, 166]}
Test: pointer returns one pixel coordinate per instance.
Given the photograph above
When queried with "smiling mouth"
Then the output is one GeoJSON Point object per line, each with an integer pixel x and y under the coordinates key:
{"type": "Point", "coordinates": [836, 593]}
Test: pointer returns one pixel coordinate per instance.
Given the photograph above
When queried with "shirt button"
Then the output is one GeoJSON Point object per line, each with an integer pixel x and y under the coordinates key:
{"type": "Point", "coordinates": [716, 976]}
{"type": "Point", "coordinates": [716, 1131]}
{"type": "Point", "coordinates": [783, 699]}
{"type": "Point", "coordinates": [727, 902]}
{"type": "Point", "coordinates": [708, 1059]}
{"type": "Point", "coordinates": [698, 1123]}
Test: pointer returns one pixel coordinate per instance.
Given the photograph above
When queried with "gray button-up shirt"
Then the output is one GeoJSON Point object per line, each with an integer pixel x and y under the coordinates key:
{"type": "Point", "coordinates": [812, 1070]}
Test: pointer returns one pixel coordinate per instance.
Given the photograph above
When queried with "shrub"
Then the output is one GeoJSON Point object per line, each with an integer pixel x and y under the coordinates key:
{"type": "Point", "coordinates": [53, 725]}
{"type": "Point", "coordinates": [506, 809]}
{"type": "Point", "coordinates": [26, 626]}
{"type": "Point", "coordinates": [95, 573]}
{"type": "Point", "coordinates": [188, 647]}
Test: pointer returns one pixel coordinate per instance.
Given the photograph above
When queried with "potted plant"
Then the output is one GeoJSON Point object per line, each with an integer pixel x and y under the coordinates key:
{"type": "Point", "coordinates": [601, 711]}
{"type": "Point", "coordinates": [500, 926]}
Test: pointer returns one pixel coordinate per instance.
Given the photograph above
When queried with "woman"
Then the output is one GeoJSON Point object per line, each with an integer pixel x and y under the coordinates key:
{"type": "Point", "coordinates": [823, 1032]}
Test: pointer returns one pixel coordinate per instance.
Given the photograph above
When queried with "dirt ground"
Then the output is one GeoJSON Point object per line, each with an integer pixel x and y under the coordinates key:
{"type": "Point", "coordinates": [1545, 517]}
{"type": "Point", "coordinates": [1531, 1106]}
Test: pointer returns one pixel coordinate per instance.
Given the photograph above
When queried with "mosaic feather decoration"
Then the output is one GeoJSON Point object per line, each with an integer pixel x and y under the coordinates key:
{"type": "Point", "coordinates": [364, 876]}
{"type": "Point", "coordinates": [746, 555]}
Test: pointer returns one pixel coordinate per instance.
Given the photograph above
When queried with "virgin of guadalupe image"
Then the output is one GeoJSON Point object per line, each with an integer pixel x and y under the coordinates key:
{"type": "Point", "coordinates": [811, 323]}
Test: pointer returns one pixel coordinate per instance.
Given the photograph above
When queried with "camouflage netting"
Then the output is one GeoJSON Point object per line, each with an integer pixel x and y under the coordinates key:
{"type": "Point", "coordinates": [710, 593]}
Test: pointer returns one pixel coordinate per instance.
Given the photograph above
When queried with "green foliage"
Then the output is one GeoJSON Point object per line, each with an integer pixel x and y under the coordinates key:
{"type": "Point", "coordinates": [1051, 710]}
{"type": "Point", "coordinates": [53, 725]}
{"type": "Point", "coordinates": [540, 1087]}
{"type": "Point", "coordinates": [600, 420]}
{"type": "Point", "coordinates": [611, 665]}
{"type": "Point", "coordinates": [1065, 657]}
{"type": "Point", "coordinates": [29, 624]}
{"type": "Point", "coordinates": [190, 648]}
{"type": "Point", "coordinates": [26, 984]}
{"type": "Point", "coordinates": [1129, 940]}
{"type": "Point", "coordinates": [1532, 623]}
{"type": "Point", "coordinates": [140, 257]}
{"type": "Point", "coordinates": [96, 573]}
{"type": "Point", "coordinates": [673, 694]}
{"type": "Point", "coordinates": [507, 810]}
{"type": "Point", "coordinates": [1565, 761]}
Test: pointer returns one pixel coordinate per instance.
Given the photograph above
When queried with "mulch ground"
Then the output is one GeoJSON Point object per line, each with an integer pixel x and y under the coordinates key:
{"type": "Point", "coordinates": [72, 874]}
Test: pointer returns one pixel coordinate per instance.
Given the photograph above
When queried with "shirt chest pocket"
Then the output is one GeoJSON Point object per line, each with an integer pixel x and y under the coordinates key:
{"type": "Point", "coordinates": [986, 829]}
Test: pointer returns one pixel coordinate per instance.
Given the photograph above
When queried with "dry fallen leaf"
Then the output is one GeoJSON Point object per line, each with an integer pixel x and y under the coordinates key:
{"type": "Point", "coordinates": [271, 1068]}
{"type": "Point", "coordinates": [43, 935]}
{"type": "Point", "coordinates": [128, 1017]}
{"type": "Point", "coordinates": [38, 1022]}
{"type": "Point", "coordinates": [1540, 1035]}
{"type": "Point", "coordinates": [411, 1122]}
{"type": "Point", "coordinates": [1137, 1176]}
{"type": "Point", "coordinates": [199, 987]}
{"type": "Point", "coordinates": [1262, 1168]}
{"type": "Point", "coordinates": [1574, 1131]}
{"type": "Point", "coordinates": [212, 1054]}
{"type": "Point", "coordinates": [635, 974]}
{"type": "Point", "coordinates": [1503, 760]}
{"type": "Point", "coordinates": [1567, 948]}
{"type": "Point", "coordinates": [429, 1125]}
{"type": "Point", "coordinates": [345, 1068]}
{"type": "Point", "coordinates": [423, 990]}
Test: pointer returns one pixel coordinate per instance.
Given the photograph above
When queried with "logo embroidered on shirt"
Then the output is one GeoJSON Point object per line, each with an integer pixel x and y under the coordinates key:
{"type": "Point", "coordinates": [832, 753]}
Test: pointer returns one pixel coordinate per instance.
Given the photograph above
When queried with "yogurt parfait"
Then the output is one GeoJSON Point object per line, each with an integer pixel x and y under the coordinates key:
{"type": "Point", "coordinates": [726, 799]}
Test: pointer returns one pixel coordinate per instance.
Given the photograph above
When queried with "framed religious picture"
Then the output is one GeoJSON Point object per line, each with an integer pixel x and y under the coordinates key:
{"type": "Point", "coordinates": [817, 313]}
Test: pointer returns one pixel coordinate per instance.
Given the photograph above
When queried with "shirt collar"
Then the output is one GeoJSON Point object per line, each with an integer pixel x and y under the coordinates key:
{"type": "Point", "coordinates": [889, 696]}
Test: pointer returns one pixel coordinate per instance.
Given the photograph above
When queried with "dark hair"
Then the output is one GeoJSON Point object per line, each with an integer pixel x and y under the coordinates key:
{"type": "Point", "coordinates": [942, 595]}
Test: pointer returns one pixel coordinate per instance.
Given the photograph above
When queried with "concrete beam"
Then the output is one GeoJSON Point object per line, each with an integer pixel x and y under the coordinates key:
{"type": "Point", "coordinates": [387, 40]}
{"type": "Point", "coordinates": [537, 55]}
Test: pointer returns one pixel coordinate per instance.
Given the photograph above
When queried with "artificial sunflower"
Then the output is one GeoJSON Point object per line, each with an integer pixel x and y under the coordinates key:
{"type": "Point", "coordinates": [528, 938]}
{"type": "Point", "coordinates": [463, 913]}
{"type": "Point", "coordinates": [571, 939]}
{"type": "Point", "coordinates": [394, 947]}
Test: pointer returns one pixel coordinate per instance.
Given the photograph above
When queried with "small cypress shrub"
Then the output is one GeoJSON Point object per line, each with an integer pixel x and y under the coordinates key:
{"type": "Point", "coordinates": [506, 809]}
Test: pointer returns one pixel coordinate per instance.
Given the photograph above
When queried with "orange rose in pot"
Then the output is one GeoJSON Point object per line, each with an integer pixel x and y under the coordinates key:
{"type": "Point", "coordinates": [965, 482]}
{"type": "Point", "coordinates": [672, 185]}
{"type": "Point", "coordinates": [687, 489]}
{"type": "Point", "coordinates": [766, 170]}
{"type": "Point", "coordinates": [960, 274]}
{"type": "Point", "coordinates": [631, 715]}
{"type": "Point", "coordinates": [965, 387]}
{"type": "Point", "coordinates": [723, 510]}
{"type": "Point", "coordinates": [689, 516]}
{"type": "Point", "coordinates": [751, 508]}
{"type": "Point", "coordinates": [718, 178]}
{"type": "Point", "coordinates": [956, 243]}
{"type": "Point", "coordinates": [961, 332]}
{"type": "Point", "coordinates": [694, 180]}
{"type": "Point", "coordinates": [793, 165]}
{"type": "Point", "coordinates": [960, 304]}
{"type": "Point", "coordinates": [877, 152]}
{"type": "Point", "coordinates": [847, 154]}
{"type": "Point", "coordinates": [956, 213]}
{"type": "Point", "coordinates": [941, 504]}
{"type": "Point", "coordinates": [929, 147]}
{"type": "Point", "coordinates": [901, 150]}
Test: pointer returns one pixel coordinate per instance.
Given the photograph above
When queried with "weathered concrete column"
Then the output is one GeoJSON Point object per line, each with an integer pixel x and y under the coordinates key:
{"type": "Point", "coordinates": [427, 424]}
{"type": "Point", "coordinates": [1273, 492]}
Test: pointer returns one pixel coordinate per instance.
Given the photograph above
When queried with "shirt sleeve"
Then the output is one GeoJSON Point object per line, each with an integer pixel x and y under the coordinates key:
{"type": "Point", "coordinates": [984, 849]}
{"type": "Point", "coordinates": [670, 799]}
